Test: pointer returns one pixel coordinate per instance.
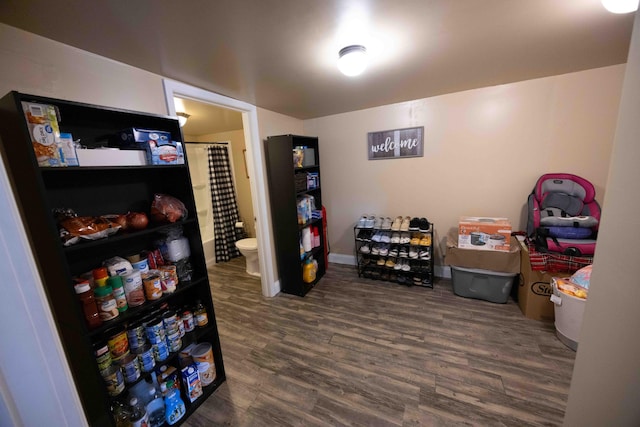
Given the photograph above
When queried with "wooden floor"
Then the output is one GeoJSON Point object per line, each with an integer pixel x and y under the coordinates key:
{"type": "Point", "coordinates": [370, 353]}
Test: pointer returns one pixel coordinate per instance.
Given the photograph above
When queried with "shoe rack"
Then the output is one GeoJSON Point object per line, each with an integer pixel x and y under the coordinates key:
{"type": "Point", "coordinates": [399, 250]}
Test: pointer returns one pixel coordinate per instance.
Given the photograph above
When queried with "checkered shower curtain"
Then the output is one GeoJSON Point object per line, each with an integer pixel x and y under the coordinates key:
{"type": "Point", "coordinates": [223, 200]}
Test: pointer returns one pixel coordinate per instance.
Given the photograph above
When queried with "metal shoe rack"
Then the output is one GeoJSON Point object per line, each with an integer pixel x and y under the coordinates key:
{"type": "Point", "coordinates": [403, 257]}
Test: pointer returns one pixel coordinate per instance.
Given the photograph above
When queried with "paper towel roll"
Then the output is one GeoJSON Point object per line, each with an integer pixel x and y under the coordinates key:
{"type": "Point", "coordinates": [306, 239]}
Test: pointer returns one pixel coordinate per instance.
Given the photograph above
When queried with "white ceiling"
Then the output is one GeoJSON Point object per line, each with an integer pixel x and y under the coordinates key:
{"type": "Point", "coordinates": [281, 54]}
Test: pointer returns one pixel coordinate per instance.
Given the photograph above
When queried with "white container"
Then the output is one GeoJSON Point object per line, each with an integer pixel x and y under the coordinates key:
{"type": "Point", "coordinates": [568, 312]}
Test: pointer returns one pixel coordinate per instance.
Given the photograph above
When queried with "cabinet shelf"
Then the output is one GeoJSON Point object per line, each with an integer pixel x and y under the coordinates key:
{"type": "Point", "coordinates": [95, 191]}
{"type": "Point", "coordinates": [284, 197]}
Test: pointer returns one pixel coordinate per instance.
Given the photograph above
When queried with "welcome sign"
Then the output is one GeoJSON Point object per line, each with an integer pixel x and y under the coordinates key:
{"type": "Point", "coordinates": [393, 144]}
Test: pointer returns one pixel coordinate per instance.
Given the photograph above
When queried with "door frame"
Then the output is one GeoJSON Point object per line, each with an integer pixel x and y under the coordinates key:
{"type": "Point", "coordinates": [255, 160]}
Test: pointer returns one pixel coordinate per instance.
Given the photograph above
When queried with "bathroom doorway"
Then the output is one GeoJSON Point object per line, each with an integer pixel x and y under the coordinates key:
{"type": "Point", "coordinates": [255, 169]}
{"type": "Point", "coordinates": [210, 126]}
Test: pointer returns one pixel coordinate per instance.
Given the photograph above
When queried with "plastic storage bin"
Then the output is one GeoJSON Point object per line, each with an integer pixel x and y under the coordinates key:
{"type": "Point", "coordinates": [493, 286]}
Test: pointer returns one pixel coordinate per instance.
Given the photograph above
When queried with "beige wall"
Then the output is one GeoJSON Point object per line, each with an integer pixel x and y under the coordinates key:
{"type": "Point", "coordinates": [241, 181]}
{"type": "Point", "coordinates": [39, 66]}
{"type": "Point", "coordinates": [483, 151]}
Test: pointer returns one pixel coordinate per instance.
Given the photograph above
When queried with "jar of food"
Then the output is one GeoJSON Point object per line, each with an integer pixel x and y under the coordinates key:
{"type": "Point", "coordinates": [187, 321]}
{"type": "Point", "coordinates": [107, 306]}
{"type": "Point", "coordinates": [89, 305]}
{"type": "Point", "coordinates": [118, 292]}
{"type": "Point", "coordinates": [133, 288]}
{"type": "Point", "coordinates": [103, 355]}
{"type": "Point", "coordinates": [200, 315]}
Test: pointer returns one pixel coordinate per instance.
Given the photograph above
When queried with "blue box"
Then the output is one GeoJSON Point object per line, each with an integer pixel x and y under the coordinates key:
{"type": "Point", "coordinates": [160, 149]}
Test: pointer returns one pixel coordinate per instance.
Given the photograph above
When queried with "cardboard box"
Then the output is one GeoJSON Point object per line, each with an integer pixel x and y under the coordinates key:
{"type": "Point", "coordinates": [534, 290]}
{"type": "Point", "coordinates": [160, 149]}
{"type": "Point", "coordinates": [482, 233]}
{"type": "Point", "coordinates": [506, 262]}
{"type": "Point", "coordinates": [111, 157]}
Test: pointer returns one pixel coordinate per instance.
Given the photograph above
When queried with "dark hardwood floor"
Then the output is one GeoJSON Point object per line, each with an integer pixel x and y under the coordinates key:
{"type": "Point", "coordinates": [371, 353]}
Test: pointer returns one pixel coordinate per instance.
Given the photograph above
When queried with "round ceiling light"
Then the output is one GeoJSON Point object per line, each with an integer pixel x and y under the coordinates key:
{"type": "Point", "coordinates": [352, 60]}
{"type": "Point", "coordinates": [620, 6]}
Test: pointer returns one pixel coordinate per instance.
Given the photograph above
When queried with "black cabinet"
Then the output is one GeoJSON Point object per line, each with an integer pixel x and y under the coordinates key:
{"type": "Point", "coordinates": [295, 196]}
{"type": "Point", "coordinates": [389, 253]}
{"type": "Point", "coordinates": [95, 191]}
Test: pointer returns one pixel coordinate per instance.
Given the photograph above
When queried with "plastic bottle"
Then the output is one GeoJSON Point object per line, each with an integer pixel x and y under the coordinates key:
{"type": "Point", "coordinates": [174, 405]}
{"type": "Point", "coordinates": [200, 315]}
{"type": "Point", "coordinates": [118, 292]}
{"type": "Point", "coordinates": [308, 271]}
{"type": "Point", "coordinates": [155, 408]}
{"type": "Point", "coordinates": [89, 306]}
{"type": "Point", "coordinates": [139, 416]}
{"type": "Point", "coordinates": [121, 414]}
{"type": "Point", "coordinates": [100, 276]}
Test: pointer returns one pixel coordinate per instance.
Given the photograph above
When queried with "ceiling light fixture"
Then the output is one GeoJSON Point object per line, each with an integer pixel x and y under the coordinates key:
{"type": "Point", "coordinates": [620, 6]}
{"type": "Point", "coordinates": [352, 60]}
{"type": "Point", "coordinates": [182, 118]}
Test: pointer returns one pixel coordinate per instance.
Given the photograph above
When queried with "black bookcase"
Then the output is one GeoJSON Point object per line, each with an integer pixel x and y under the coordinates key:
{"type": "Point", "coordinates": [92, 191]}
{"type": "Point", "coordinates": [288, 183]}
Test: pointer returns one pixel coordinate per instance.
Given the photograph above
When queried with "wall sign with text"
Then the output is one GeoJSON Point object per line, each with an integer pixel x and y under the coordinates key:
{"type": "Point", "coordinates": [393, 144]}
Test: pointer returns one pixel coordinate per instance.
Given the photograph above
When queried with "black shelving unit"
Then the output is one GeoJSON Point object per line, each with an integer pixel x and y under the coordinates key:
{"type": "Point", "coordinates": [94, 191]}
{"type": "Point", "coordinates": [373, 264]}
{"type": "Point", "coordinates": [287, 184]}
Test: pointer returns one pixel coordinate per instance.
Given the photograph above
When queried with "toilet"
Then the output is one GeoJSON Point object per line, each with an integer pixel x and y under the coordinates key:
{"type": "Point", "coordinates": [249, 248]}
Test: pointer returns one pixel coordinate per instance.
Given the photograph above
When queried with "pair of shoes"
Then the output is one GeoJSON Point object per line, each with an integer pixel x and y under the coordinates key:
{"type": "Point", "coordinates": [404, 225]}
{"type": "Point", "coordinates": [384, 250]}
{"type": "Point", "coordinates": [415, 239]}
{"type": "Point", "coordinates": [402, 264]}
{"type": "Point", "coordinates": [381, 261]}
{"type": "Point", "coordinates": [386, 224]}
{"type": "Point", "coordinates": [362, 222]}
{"type": "Point", "coordinates": [377, 224]}
{"type": "Point", "coordinates": [390, 262]}
{"type": "Point", "coordinates": [414, 224]}
{"type": "Point", "coordinates": [423, 225]}
{"type": "Point", "coordinates": [395, 238]}
{"type": "Point", "coordinates": [424, 254]}
{"type": "Point", "coordinates": [397, 223]}
{"type": "Point", "coordinates": [413, 252]}
{"type": "Point", "coordinates": [365, 249]}
{"type": "Point", "coordinates": [426, 240]}
{"type": "Point", "coordinates": [404, 238]}
{"type": "Point", "coordinates": [393, 251]}
{"type": "Point", "coordinates": [365, 235]}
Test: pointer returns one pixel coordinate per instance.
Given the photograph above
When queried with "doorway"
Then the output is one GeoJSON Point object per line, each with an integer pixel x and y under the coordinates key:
{"type": "Point", "coordinates": [255, 168]}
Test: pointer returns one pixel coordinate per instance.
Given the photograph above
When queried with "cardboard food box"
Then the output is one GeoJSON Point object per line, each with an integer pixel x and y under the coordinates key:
{"type": "Point", "coordinates": [110, 157]}
{"type": "Point", "coordinates": [160, 149]}
{"type": "Point", "coordinates": [506, 262]}
{"type": "Point", "coordinates": [534, 290]}
{"type": "Point", "coordinates": [483, 233]}
{"type": "Point", "coordinates": [42, 121]}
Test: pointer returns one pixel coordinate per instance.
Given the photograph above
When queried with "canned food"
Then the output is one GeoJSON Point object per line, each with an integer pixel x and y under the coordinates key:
{"type": "Point", "coordinates": [170, 321]}
{"type": "Point", "coordinates": [118, 343]}
{"type": "Point", "coordinates": [103, 356]}
{"type": "Point", "coordinates": [155, 330]}
{"type": "Point", "coordinates": [169, 277]}
{"type": "Point", "coordinates": [146, 358]}
{"type": "Point", "coordinates": [131, 368]}
{"type": "Point", "coordinates": [136, 336]}
{"type": "Point", "coordinates": [187, 321]}
{"type": "Point", "coordinates": [152, 285]}
{"type": "Point", "coordinates": [160, 351]}
{"type": "Point", "coordinates": [113, 380]}
{"type": "Point", "coordinates": [174, 342]}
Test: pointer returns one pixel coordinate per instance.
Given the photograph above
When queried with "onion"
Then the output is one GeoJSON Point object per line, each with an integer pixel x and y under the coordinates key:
{"type": "Point", "coordinates": [137, 220]}
{"type": "Point", "coordinates": [121, 220]}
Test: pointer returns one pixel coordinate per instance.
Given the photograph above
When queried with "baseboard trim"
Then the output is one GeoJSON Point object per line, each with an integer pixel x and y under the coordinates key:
{"type": "Point", "coordinates": [443, 271]}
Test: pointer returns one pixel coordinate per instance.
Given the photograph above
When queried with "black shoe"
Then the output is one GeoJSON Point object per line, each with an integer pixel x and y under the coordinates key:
{"type": "Point", "coordinates": [423, 225]}
{"type": "Point", "coordinates": [414, 224]}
